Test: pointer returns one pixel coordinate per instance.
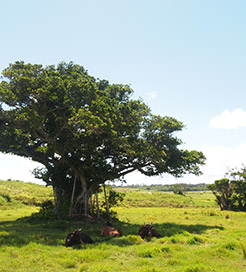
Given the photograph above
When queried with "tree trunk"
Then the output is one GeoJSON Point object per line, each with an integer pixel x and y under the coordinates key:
{"type": "Point", "coordinates": [72, 197]}
{"type": "Point", "coordinates": [86, 204]}
{"type": "Point", "coordinates": [106, 200]}
{"type": "Point", "coordinates": [62, 200]}
{"type": "Point", "coordinates": [84, 188]}
{"type": "Point", "coordinates": [91, 204]}
{"type": "Point", "coordinates": [96, 194]}
{"type": "Point", "coordinates": [82, 198]}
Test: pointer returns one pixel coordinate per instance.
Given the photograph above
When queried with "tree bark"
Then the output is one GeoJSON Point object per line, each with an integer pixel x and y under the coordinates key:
{"type": "Point", "coordinates": [72, 197]}
{"type": "Point", "coordinates": [83, 196]}
{"type": "Point", "coordinates": [84, 187]}
{"type": "Point", "coordinates": [96, 194]}
{"type": "Point", "coordinates": [106, 200]}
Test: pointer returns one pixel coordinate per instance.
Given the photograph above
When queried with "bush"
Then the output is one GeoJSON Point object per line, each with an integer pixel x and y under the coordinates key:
{"type": "Point", "coordinates": [179, 189]}
{"type": "Point", "coordinates": [195, 269]}
{"type": "Point", "coordinates": [113, 198]}
{"type": "Point", "coordinates": [6, 197]}
{"type": "Point", "coordinates": [195, 240]}
{"type": "Point", "coordinates": [230, 192]}
{"type": "Point", "coordinates": [46, 211]}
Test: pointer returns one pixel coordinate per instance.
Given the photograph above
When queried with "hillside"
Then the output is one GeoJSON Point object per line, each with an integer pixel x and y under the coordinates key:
{"type": "Point", "coordinates": [18, 193]}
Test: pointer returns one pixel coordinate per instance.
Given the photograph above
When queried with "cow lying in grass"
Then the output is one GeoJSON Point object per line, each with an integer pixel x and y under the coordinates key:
{"type": "Point", "coordinates": [108, 230]}
{"type": "Point", "coordinates": [148, 231]}
{"type": "Point", "coordinates": [78, 238]}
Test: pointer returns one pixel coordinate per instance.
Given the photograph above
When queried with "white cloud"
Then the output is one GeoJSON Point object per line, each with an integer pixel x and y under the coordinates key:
{"type": "Point", "coordinates": [229, 120]}
{"type": "Point", "coordinates": [219, 160]}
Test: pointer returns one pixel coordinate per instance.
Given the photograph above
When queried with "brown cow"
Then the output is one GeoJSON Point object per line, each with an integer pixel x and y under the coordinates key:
{"type": "Point", "coordinates": [148, 231]}
{"type": "Point", "coordinates": [78, 238]}
{"type": "Point", "coordinates": [108, 230]}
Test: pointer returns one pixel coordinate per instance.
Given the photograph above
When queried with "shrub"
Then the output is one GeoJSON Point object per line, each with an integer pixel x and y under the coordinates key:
{"type": "Point", "coordinates": [149, 253]}
{"type": "Point", "coordinates": [46, 211]}
{"type": "Point", "coordinates": [179, 189]}
{"type": "Point", "coordinates": [195, 240]}
{"type": "Point", "coordinates": [230, 192]}
{"type": "Point", "coordinates": [6, 197]}
{"type": "Point", "coordinates": [195, 269]}
{"type": "Point", "coordinates": [230, 246]}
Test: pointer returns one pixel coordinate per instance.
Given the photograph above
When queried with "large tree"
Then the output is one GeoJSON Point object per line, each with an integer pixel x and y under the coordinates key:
{"type": "Point", "coordinates": [85, 131]}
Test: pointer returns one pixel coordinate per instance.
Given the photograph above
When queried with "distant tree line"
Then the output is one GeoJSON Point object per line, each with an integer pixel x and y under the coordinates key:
{"type": "Point", "coordinates": [168, 187]}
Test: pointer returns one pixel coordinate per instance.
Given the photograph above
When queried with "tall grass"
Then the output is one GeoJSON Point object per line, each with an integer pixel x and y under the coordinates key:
{"type": "Point", "coordinates": [197, 236]}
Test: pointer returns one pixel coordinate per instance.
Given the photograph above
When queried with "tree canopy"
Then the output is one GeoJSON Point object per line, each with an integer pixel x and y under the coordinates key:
{"type": "Point", "coordinates": [85, 131]}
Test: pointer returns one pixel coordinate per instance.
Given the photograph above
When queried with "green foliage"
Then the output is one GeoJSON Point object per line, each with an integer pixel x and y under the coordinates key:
{"type": "Point", "coordinates": [114, 197]}
{"type": "Point", "coordinates": [46, 212]}
{"type": "Point", "coordinates": [223, 191]}
{"type": "Point", "coordinates": [230, 192]}
{"type": "Point", "coordinates": [179, 189]}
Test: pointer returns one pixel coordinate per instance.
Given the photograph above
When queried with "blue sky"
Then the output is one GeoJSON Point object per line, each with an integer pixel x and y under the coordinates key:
{"type": "Point", "coordinates": [186, 59]}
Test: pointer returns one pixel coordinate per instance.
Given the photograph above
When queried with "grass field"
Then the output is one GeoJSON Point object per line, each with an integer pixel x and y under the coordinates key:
{"type": "Point", "coordinates": [197, 236]}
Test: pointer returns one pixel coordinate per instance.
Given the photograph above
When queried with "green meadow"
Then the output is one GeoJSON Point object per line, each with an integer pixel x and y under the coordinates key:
{"type": "Point", "coordinates": [197, 236]}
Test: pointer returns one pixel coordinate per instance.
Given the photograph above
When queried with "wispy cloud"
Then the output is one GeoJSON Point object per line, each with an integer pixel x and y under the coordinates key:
{"type": "Point", "coordinates": [229, 119]}
{"type": "Point", "coordinates": [152, 95]}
